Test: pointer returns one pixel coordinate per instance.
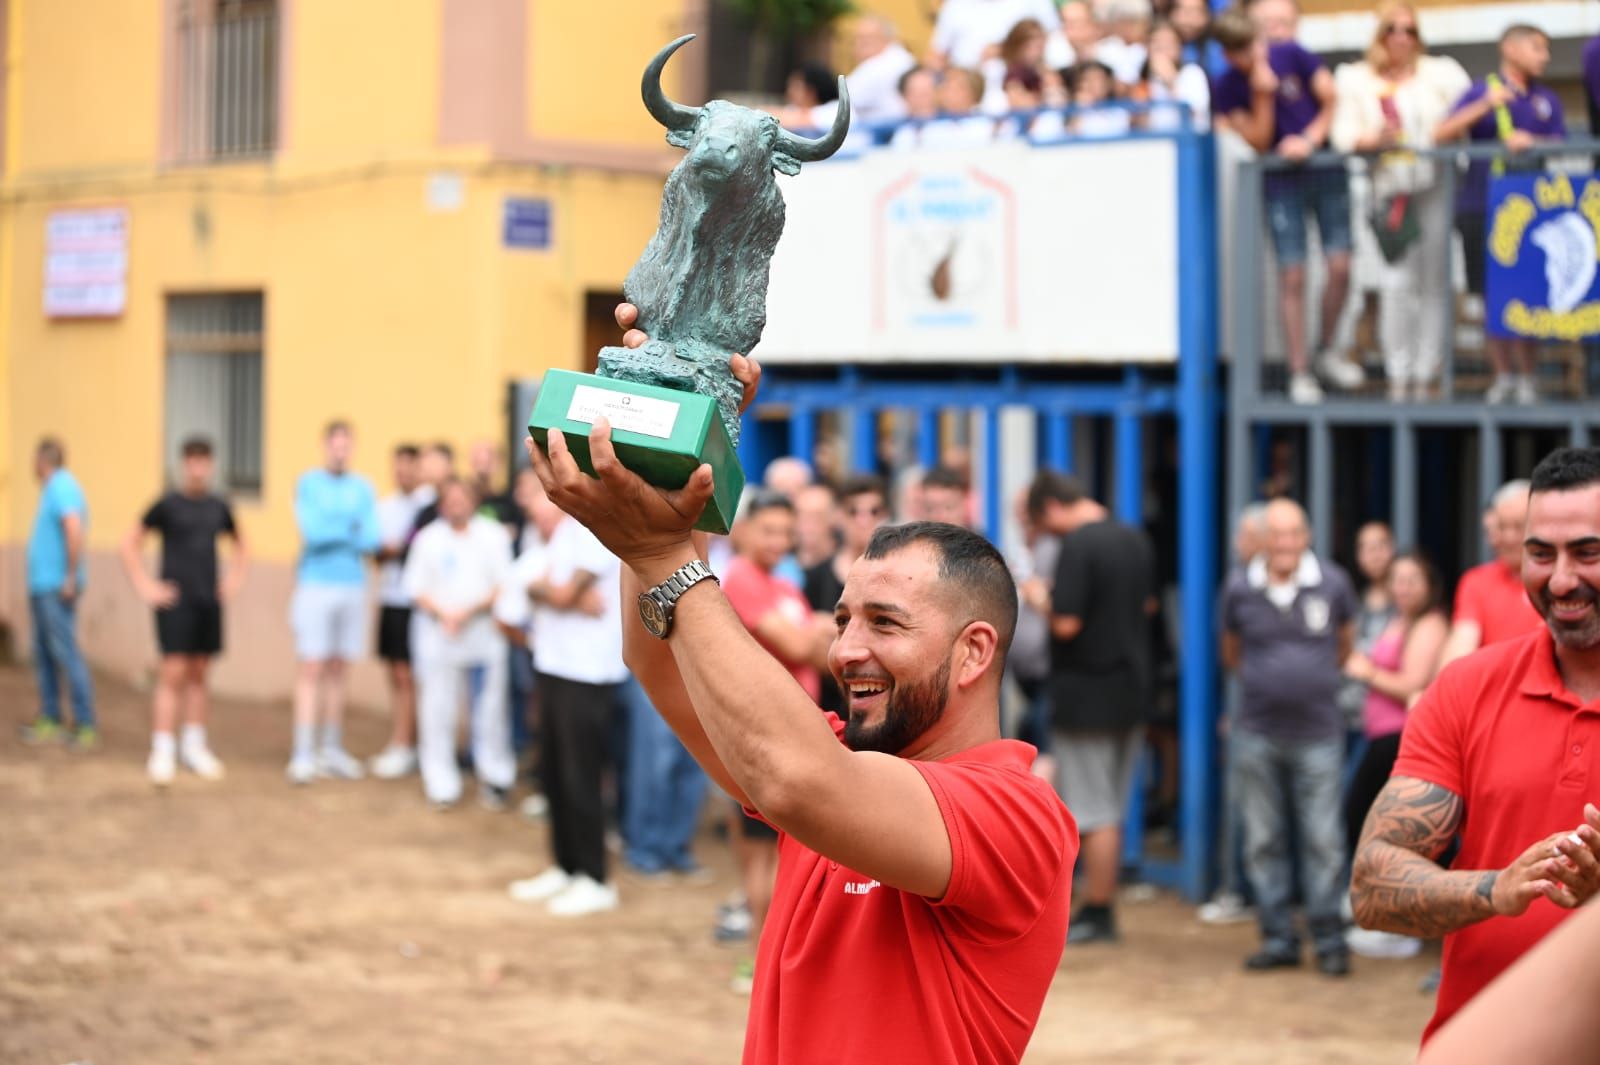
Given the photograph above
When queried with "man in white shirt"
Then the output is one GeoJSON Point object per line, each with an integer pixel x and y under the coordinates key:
{"type": "Point", "coordinates": [397, 513]}
{"type": "Point", "coordinates": [881, 61]}
{"type": "Point", "coordinates": [970, 31]}
{"type": "Point", "coordinates": [453, 575]}
{"type": "Point", "coordinates": [577, 654]}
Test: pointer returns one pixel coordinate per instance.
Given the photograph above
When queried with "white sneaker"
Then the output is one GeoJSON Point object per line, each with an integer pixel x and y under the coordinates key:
{"type": "Point", "coordinates": [302, 769]}
{"type": "Point", "coordinates": [1224, 908]}
{"type": "Point", "coordinates": [584, 896]}
{"type": "Point", "coordinates": [202, 763]}
{"type": "Point", "coordinates": [535, 807]}
{"type": "Point", "coordinates": [1340, 372]}
{"type": "Point", "coordinates": [393, 762]}
{"type": "Point", "coordinates": [162, 767]}
{"type": "Point", "coordinates": [1504, 387]}
{"type": "Point", "coordinates": [548, 884]}
{"type": "Point", "coordinates": [339, 764]}
{"type": "Point", "coordinates": [1526, 392]}
{"type": "Point", "coordinates": [1303, 388]}
{"type": "Point", "coordinates": [1372, 944]}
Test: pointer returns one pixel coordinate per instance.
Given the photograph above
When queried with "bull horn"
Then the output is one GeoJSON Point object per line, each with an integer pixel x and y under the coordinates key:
{"type": "Point", "coordinates": [663, 110]}
{"type": "Point", "coordinates": [807, 150]}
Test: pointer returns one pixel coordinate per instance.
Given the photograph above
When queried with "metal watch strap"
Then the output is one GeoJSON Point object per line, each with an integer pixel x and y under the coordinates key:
{"type": "Point", "coordinates": [685, 577]}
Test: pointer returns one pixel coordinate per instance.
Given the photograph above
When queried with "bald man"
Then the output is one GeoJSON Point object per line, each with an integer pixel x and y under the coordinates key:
{"type": "Point", "coordinates": [1288, 623]}
{"type": "Point", "coordinates": [1491, 602]}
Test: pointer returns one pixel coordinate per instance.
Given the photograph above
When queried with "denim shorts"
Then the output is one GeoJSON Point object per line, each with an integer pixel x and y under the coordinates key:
{"type": "Point", "coordinates": [1289, 197]}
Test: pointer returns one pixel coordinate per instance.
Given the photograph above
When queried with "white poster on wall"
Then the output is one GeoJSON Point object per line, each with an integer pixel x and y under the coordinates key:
{"type": "Point", "coordinates": [1004, 252]}
{"type": "Point", "coordinates": [86, 262]}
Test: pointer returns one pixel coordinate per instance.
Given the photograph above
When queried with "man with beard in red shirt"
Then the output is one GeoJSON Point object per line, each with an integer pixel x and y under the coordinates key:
{"type": "Point", "coordinates": [922, 868]}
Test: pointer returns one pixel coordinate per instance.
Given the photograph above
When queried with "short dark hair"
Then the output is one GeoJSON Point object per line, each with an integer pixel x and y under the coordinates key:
{"type": "Point", "coordinates": [863, 484]}
{"type": "Point", "coordinates": [406, 451]}
{"type": "Point", "coordinates": [766, 499]}
{"type": "Point", "coordinates": [338, 425]}
{"type": "Point", "coordinates": [1565, 469]}
{"type": "Point", "coordinates": [1052, 486]}
{"type": "Point", "coordinates": [822, 82]}
{"type": "Point", "coordinates": [1075, 74]}
{"type": "Point", "coordinates": [1523, 29]}
{"type": "Point", "coordinates": [443, 448]}
{"type": "Point", "coordinates": [1234, 30]}
{"type": "Point", "coordinates": [944, 477]}
{"type": "Point", "coordinates": [51, 450]}
{"type": "Point", "coordinates": [900, 86]}
{"type": "Point", "coordinates": [455, 480]}
{"type": "Point", "coordinates": [195, 447]}
{"type": "Point", "coordinates": [966, 560]}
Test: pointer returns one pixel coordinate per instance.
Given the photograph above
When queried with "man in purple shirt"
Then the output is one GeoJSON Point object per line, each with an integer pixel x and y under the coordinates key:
{"type": "Point", "coordinates": [1512, 107]}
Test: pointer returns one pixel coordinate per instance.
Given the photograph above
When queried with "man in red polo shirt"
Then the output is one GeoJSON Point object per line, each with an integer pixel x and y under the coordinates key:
{"type": "Point", "coordinates": [1491, 604]}
{"type": "Point", "coordinates": [1505, 747]}
{"type": "Point", "coordinates": [924, 873]}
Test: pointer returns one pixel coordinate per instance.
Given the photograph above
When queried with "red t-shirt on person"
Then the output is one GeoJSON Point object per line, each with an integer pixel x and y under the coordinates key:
{"type": "Point", "coordinates": [849, 970]}
{"type": "Point", "coordinates": [1500, 730]}
{"type": "Point", "coordinates": [1493, 596]}
{"type": "Point", "coordinates": [755, 593]}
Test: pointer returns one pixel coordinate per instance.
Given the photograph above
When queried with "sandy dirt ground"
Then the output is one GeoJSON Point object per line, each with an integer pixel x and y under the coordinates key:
{"type": "Point", "coordinates": [248, 922]}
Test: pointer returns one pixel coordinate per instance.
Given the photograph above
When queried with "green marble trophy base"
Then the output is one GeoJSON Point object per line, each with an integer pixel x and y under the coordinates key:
{"type": "Point", "coordinates": [661, 434]}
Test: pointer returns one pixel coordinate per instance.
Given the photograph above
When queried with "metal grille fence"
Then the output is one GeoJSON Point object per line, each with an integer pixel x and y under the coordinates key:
{"type": "Point", "coordinates": [228, 79]}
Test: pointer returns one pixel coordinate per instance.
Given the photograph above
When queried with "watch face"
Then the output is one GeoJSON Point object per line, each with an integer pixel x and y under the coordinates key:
{"type": "Point", "coordinates": [652, 616]}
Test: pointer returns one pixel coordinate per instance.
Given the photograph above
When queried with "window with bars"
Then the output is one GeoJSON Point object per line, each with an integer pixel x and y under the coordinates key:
{"type": "Point", "coordinates": [214, 349]}
{"type": "Point", "coordinates": [227, 79]}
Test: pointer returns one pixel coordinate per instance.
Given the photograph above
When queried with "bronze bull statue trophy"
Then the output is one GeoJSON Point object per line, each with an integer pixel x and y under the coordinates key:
{"type": "Point", "coordinates": [701, 290]}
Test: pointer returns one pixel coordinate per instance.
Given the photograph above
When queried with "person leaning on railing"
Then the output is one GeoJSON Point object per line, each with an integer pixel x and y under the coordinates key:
{"type": "Point", "coordinates": [1388, 104]}
{"type": "Point", "coordinates": [1511, 106]}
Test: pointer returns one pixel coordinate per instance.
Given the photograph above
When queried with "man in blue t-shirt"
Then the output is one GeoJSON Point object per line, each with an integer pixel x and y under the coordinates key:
{"type": "Point", "coordinates": [1279, 98]}
{"type": "Point", "coordinates": [337, 513]}
{"type": "Point", "coordinates": [56, 578]}
{"type": "Point", "coordinates": [1512, 107]}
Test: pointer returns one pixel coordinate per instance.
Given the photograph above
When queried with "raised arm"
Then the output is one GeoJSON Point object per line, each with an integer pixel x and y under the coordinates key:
{"type": "Point", "coordinates": [766, 733]}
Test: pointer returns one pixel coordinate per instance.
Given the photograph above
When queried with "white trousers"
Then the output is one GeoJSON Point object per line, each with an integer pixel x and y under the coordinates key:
{"type": "Point", "coordinates": [1415, 296]}
{"type": "Point", "coordinates": [441, 683]}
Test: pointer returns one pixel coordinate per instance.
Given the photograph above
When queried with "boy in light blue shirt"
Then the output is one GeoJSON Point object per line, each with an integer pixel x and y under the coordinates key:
{"type": "Point", "coordinates": [56, 577]}
{"type": "Point", "coordinates": [337, 513]}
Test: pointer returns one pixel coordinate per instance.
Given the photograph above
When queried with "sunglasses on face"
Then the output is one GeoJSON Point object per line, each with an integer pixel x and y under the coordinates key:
{"type": "Point", "coordinates": [1409, 31]}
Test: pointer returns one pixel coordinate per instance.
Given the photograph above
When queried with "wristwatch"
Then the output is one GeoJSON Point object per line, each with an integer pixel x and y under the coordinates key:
{"type": "Point", "coordinates": [656, 606]}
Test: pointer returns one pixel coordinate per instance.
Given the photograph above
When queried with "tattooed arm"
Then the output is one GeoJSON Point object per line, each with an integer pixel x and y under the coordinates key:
{"type": "Point", "coordinates": [1398, 886]}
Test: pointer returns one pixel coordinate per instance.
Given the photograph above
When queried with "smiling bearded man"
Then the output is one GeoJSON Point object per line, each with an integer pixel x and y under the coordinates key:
{"type": "Point", "coordinates": [922, 868]}
{"type": "Point", "coordinates": [1505, 747]}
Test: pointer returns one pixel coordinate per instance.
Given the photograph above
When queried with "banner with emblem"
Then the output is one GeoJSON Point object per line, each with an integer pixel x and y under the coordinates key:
{"type": "Point", "coordinates": [1003, 251]}
{"type": "Point", "coordinates": [1543, 251]}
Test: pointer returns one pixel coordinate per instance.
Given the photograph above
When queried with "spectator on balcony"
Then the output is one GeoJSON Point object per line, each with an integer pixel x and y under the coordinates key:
{"type": "Point", "coordinates": [1389, 102]}
{"type": "Point", "coordinates": [881, 61]}
{"type": "Point", "coordinates": [1169, 79]}
{"type": "Point", "coordinates": [919, 98]}
{"type": "Point", "coordinates": [958, 122]}
{"type": "Point", "coordinates": [967, 32]}
{"type": "Point", "coordinates": [1278, 20]}
{"type": "Point", "coordinates": [1022, 52]}
{"type": "Point", "coordinates": [1512, 107]}
{"type": "Point", "coordinates": [810, 97]}
{"type": "Point", "coordinates": [1591, 83]}
{"type": "Point", "coordinates": [1192, 19]}
{"type": "Point", "coordinates": [1093, 85]}
{"type": "Point", "coordinates": [1125, 46]}
{"type": "Point", "coordinates": [1081, 31]}
{"type": "Point", "coordinates": [1279, 98]}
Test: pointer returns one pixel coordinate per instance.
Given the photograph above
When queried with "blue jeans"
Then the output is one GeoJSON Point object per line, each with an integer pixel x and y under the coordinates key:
{"type": "Point", "coordinates": [1270, 776]}
{"type": "Point", "coordinates": [665, 788]}
{"type": "Point", "coordinates": [1291, 197]}
{"type": "Point", "coordinates": [55, 648]}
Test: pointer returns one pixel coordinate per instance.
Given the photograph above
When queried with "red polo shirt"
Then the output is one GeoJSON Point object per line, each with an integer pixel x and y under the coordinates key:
{"type": "Point", "coordinates": [1500, 730]}
{"type": "Point", "coordinates": [849, 970]}
{"type": "Point", "coordinates": [1493, 596]}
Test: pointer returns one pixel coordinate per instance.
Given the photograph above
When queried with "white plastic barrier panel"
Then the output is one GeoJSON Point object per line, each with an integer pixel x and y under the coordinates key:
{"type": "Point", "coordinates": [1004, 252]}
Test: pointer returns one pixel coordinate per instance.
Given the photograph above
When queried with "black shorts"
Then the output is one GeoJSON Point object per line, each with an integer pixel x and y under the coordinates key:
{"type": "Point", "coordinates": [394, 634]}
{"type": "Point", "coordinates": [190, 629]}
{"type": "Point", "coordinates": [1475, 248]}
